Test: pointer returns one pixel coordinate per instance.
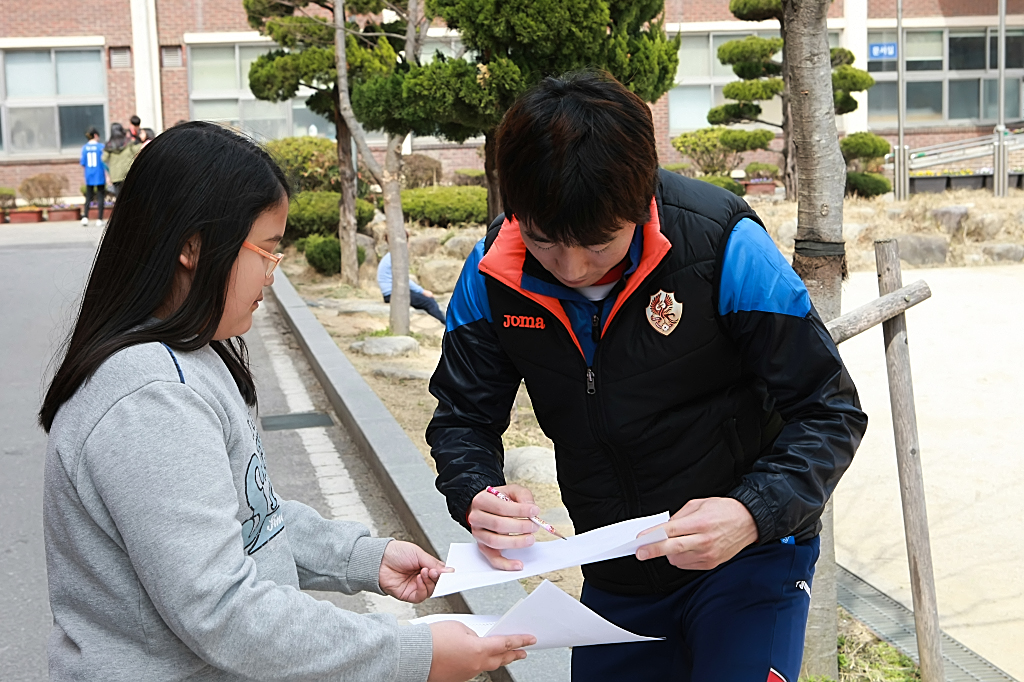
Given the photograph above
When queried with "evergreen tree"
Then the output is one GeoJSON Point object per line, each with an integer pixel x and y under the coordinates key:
{"type": "Point", "coordinates": [764, 77]}
{"type": "Point", "coordinates": [516, 44]}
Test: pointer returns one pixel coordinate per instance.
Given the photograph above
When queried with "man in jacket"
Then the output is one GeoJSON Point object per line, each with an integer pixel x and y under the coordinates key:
{"type": "Point", "coordinates": [675, 360]}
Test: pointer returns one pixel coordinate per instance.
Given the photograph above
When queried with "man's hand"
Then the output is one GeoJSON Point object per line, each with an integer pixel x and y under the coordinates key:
{"type": "Point", "coordinates": [428, 293]}
{"type": "Point", "coordinates": [459, 654]}
{"type": "Point", "coordinates": [408, 573]}
{"type": "Point", "coordinates": [703, 534]}
{"type": "Point", "coordinates": [493, 519]}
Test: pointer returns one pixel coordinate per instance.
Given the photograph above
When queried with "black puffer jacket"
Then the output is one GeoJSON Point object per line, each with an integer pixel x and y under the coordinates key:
{"type": "Point", "coordinates": [745, 396]}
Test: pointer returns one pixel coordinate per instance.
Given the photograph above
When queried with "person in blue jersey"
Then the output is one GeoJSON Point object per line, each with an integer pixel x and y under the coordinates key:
{"type": "Point", "coordinates": [95, 175]}
{"type": "Point", "coordinates": [675, 360]}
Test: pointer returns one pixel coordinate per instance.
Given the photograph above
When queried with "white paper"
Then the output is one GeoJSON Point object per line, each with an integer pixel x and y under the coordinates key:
{"type": "Point", "coordinates": [619, 539]}
{"type": "Point", "coordinates": [550, 615]}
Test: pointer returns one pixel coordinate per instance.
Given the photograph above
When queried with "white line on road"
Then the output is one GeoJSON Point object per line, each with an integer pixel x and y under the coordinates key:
{"type": "Point", "coordinates": [337, 486]}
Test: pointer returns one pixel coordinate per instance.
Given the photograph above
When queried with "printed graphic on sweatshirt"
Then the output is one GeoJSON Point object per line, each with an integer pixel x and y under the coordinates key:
{"type": "Point", "coordinates": [266, 520]}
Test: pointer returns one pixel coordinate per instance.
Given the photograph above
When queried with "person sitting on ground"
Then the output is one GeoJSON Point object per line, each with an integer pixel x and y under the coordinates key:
{"type": "Point", "coordinates": [169, 554]}
{"type": "Point", "coordinates": [118, 154]}
{"type": "Point", "coordinates": [419, 298]}
{"type": "Point", "coordinates": [95, 176]}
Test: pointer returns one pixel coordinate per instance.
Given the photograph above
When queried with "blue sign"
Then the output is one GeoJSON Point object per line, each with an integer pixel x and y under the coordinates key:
{"type": "Point", "coordinates": [882, 51]}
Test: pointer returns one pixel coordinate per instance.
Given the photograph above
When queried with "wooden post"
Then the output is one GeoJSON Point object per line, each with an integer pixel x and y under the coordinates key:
{"type": "Point", "coordinates": [908, 460]}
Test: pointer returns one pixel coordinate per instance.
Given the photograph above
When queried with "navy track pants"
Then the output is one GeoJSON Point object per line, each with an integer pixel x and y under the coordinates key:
{"type": "Point", "coordinates": [741, 622]}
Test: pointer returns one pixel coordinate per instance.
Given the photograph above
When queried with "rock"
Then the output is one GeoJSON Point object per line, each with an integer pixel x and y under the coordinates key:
{"type": "Point", "coordinates": [984, 226]}
{"type": "Point", "coordinates": [1020, 217]}
{"type": "Point", "coordinates": [894, 213]}
{"type": "Point", "coordinates": [400, 373]}
{"type": "Point", "coordinates": [460, 246]}
{"type": "Point", "coordinates": [440, 276]}
{"type": "Point", "coordinates": [369, 249]}
{"type": "Point", "coordinates": [378, 217]}
{"type": "Point", "coordinates": [787, 234]}
{"type": "Point", "coordinates": [1009, 253]}
{"type": "Point", "coordinates": [950, 218]}
{"type": "Point", "coordinates": [423, 246]}
{"type": "Point", "coordinates": [531, 463]}
{"type": "Point", "coordinates": [923, 249]}
{"type": "Point", "coordinates": [388, 346]}
{"type": "Point", "coordinates": [851, 231]}
{"type": "Point", "coordinates": [368, 270]}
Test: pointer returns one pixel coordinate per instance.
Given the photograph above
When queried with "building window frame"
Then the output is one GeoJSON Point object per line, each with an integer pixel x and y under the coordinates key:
{"type": "Point", "coordinates": [54, 101]}
{"type": "Point", "coordinates": [946, 75]}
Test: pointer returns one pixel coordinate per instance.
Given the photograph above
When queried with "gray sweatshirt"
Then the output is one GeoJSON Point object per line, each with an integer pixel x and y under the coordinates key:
{"type": "Point", "coordinates": [169, 556]}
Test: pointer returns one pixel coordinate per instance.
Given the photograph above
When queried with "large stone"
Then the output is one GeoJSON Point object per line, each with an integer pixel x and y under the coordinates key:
{"type": "Point", "coordinates": [387, 346]}
{"type": "Point", "coordinates": [1012, 253]}
{"type": "Point", "coordinates": [787, 234]}
{"type": "Point", "coordinates": [530, 463]}
{"type": "Point", "coordinates": [400, 373]}
{"type": "Point", "coordinates": [950, 218]}
{"type": "Point", "coordinates": [985, 226]}
{"type": "Point", "coordinates": [852, 231]}
{"type": "Point", "coordinates": [923, 249]}
{"type": "Point", "coordinates": [369, 249]}
{"type": "Point", "coordinates": [440, 276]}
{"type": "Point", "coordinates": [894, 213]}
{"type": "Point", "coordinates": [460, 246]}
{"type": "Point", "coordinates": [423, 246]}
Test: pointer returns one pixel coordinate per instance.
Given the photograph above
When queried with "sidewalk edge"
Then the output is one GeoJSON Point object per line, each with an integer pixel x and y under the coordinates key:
{"type": "Point", "coordinates": [405, 477]}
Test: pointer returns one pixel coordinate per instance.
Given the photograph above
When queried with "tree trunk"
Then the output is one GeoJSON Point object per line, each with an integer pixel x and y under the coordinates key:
{"type": "Point", "coordinates": [398, 247]}
{"type": "Point", "coordinates": [494, 206]}
{"type": "Point", "coordinates": [347, 204]}
{"type": "Point", "coordinates": [788, 153]}
{"type": "Point", "coordinates": [819, 259]}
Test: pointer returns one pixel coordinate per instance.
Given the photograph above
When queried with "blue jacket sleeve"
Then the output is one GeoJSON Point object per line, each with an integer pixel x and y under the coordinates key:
{"type": "Point", "coordinates": [475, 384]}
{"type": "Point", "coordinates": [767, 311]}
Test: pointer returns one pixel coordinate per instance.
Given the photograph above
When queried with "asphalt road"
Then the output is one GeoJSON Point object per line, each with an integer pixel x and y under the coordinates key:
{"type": "Point", "coordinates": [42, 272]}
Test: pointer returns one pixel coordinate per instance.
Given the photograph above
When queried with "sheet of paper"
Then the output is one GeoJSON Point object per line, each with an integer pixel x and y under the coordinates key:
{"type": "Point", "coordinates": [619, 539]}
{"type": "Point", "coordinates": [550, 615]}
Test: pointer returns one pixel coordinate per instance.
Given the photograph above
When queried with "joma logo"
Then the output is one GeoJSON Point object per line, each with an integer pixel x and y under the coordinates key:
{"type": "Point", "coordinates": [524, 321]}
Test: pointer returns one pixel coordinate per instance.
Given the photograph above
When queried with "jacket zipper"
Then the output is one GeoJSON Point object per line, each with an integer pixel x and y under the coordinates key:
{"type": "Point", "coordinates": [619, 463]}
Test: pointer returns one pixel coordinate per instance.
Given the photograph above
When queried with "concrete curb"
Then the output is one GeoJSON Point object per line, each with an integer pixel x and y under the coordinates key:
{"type": "Point", "coordinates": [406, 478]}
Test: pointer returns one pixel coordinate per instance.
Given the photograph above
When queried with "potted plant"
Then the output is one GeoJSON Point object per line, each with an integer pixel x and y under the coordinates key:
{"type": "Point", "coordinates": [760, 178]}
{"type": "Point", "coordinates": [964, 178]}
{"type": "Point", "coordinates": [7, 202]}
{"type": "Point", "coordinates": [928, 182]}
{"type": "Point", "coordinates": [59, 212]}
{"type": "Point", "coordinates": [1015, 178]}
{"type": "Point", "coordinates": [45, 190]}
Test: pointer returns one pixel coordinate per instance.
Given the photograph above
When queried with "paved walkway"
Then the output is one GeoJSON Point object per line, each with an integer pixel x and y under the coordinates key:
{"type": "Point", "coordinates": [967, 354]}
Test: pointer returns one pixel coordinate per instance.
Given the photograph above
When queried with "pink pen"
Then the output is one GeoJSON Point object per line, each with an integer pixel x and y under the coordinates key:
{"type": "Point", "coordinates": [546, 526]}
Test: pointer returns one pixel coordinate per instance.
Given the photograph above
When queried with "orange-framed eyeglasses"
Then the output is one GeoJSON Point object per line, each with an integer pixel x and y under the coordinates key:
{"type": "Point", "coordinates": [272, 258]}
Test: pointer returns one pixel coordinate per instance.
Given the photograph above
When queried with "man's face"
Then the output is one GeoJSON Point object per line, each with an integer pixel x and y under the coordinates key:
{"type": "Point", "coordinates": [578, 266]}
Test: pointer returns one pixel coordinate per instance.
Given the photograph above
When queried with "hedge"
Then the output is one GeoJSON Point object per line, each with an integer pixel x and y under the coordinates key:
{"type": "Point", "coordinates": [863, 146]}
{"type": "Point", "coordinates": [324, 254]}
{"type": "Point", "coordinates": [317, 213]}
{"type": "Point", "coordinates": [470, 176]}
{"type": "Point", "coordinates": [867, 184]}
{"type": "Point", "coordinates": [294, 155]}
{"type": "Point", "coordinates": [445, 205]}
{"type": "Point", "coordinates": [725, 183]}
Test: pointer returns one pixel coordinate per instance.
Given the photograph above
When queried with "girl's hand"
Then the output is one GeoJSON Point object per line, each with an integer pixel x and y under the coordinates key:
{"type": "Point", "coordinates": [408, 573]}
{"type": "Point", "coordinates": [499, 525]}
{"type": "Point", "coordinates": [459, 654]}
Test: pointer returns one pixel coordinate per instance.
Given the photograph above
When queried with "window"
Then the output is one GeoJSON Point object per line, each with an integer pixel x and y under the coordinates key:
{"type": "Point", "coordinates": [50, 98]}
{"type": "Point", "coordinates": [688, 107]}
{"type": "Point", "coordinates": [219, 92]}
{"type": "Point", "coordinates": [950, 77]}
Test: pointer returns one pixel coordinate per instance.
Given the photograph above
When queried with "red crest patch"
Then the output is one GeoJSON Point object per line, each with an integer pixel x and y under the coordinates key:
{"type": "Point", "coordinates": [664, 312]}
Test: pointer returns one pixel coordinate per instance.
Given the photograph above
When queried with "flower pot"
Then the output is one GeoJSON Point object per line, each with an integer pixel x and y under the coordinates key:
{"type": "Point", "coordinates": [968, 181]}
{"type": "Point", "coordinates": [32, 215]}
{"type": "Point", "coordinates": [1014, 180]}
{"type": "Point", "coordinates": [759, 187]}
{"type": "Point", "coordinates": [59, 214]}
{"type": "Point", "coordinates": [928, 184]}
{"type": "Point", "coordinates": [94, 212]}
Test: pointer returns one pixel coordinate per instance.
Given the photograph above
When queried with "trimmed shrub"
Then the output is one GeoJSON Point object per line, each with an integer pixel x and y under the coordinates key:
{"type": "Point", "coordinates": [309, 163]}
{"type": "Point", "coordinates": [867, 184]}
{"type": "Point", "coordinates": [679, 168]}
{"type": "Point", "coordinates": [324, 254]}
{"type": "Point", "coordinates": [863, 146]}
{"type": "Point", "coordinates": [445, 205]}
{"type": "Point", "coordinates": [43, 189]}
{"type": "Point", "coordinates": [300, 244]}
{"type": "Point", "coordinates": [7, 197]}
{"type": "Point", "coordinates": [760, 170]}
{"type": "Point", "coordinates": [470, 176]}
{"type": "Point", "coordinates": [724, 182]}
{"type": "Point", "coordinates": [317, 213]}
{"type": "Point", "coordinates": [420, 170]}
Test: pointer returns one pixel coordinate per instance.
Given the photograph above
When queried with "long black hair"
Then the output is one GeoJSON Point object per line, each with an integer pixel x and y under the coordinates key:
{"type": "Point", "coordinates": [195, 179]}
{"type": "Point", "coordinates": [118, 139]}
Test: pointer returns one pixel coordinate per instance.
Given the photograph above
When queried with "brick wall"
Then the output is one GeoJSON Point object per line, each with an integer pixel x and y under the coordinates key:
{"type": "Point", "coordinates": [452, 156]}
{"type": "Point", "coordinates": [12, 174]}
{"type": "Point", "coordinates": [878, 9]}
{"type": "Point", "coordinates": [718, 10]}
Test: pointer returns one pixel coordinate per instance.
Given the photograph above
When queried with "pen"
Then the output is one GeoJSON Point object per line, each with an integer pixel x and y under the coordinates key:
{"type": "Point", "coordinates": [546, 526]}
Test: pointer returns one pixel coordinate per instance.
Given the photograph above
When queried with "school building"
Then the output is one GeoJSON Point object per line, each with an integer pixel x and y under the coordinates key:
{"type": "Point", "coordinates": [66, 65]}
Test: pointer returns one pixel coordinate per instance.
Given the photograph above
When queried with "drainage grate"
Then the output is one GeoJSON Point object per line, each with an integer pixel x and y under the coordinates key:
{"type": "Point", "coordinates": [894, 623]}
{"type": "Point", "coordinates": [296, 420]}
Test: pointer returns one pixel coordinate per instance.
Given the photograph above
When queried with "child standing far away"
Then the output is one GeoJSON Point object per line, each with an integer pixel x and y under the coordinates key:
{"type": "Point", "coordinates": [95, 177]}
{"type": "Point", "coordinates": [169, 553]}
{"type": "Point", "coordinates": [118, 154]}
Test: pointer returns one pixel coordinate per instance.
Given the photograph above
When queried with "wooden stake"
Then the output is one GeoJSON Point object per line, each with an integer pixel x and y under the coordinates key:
{"type": "Point", "coordinates": [877, 311]}
{"type": "Point", "coordinates": [908, 460]}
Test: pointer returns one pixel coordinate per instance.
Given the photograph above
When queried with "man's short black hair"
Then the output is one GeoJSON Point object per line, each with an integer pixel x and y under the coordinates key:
{"type": "Point", "coordinates": [576, 156]}
{"type": "Point", "coordinates": [135, 120]}
{"type": "Point", "coordinates": [91, 133]}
